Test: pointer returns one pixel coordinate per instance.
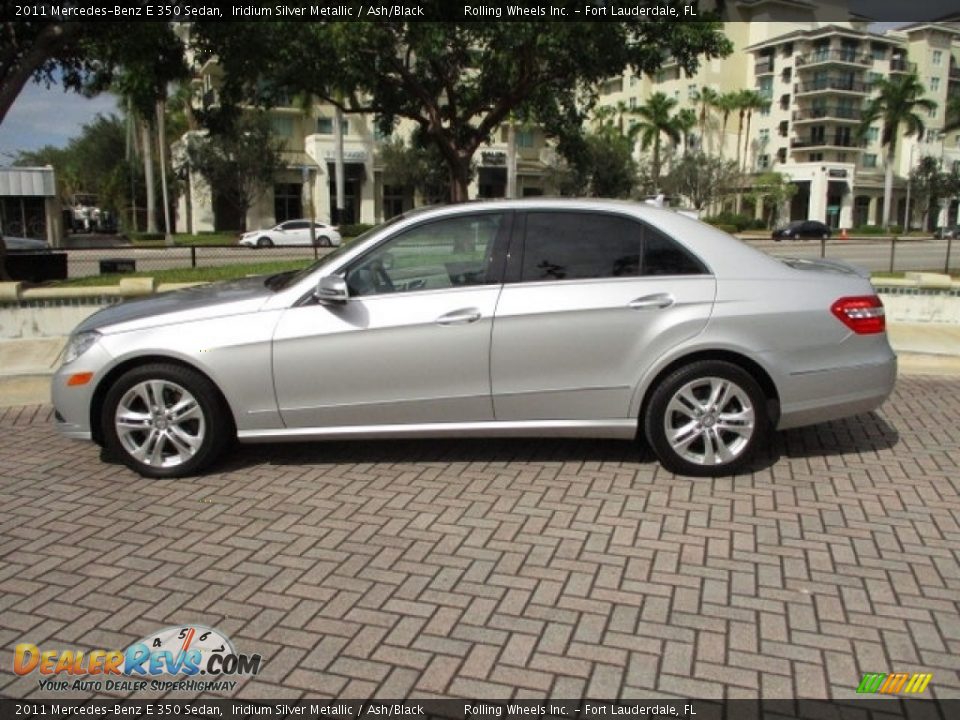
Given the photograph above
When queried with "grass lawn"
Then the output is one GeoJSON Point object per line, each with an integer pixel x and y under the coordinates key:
{"type": "Point", "coordinates": [200, 274]}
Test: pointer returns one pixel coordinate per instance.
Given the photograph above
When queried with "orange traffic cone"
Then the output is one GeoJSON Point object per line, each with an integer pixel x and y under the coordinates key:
{"type": "Point", "coordinates": [843, 234]}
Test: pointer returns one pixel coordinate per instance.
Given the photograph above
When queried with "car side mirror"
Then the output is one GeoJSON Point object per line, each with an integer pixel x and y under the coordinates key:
{"type": "Point", "coordinates": [331, 290]}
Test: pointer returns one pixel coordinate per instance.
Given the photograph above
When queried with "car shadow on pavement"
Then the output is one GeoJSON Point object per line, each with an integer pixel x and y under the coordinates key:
{"type": "Point", "coordinates": [866, 433]}
{"type": "Point", "coordinates": [862, 433]}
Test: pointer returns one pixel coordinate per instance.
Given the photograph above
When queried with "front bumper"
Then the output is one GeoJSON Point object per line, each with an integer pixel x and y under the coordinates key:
{"type": "Point", "coordinates": [72, 403]}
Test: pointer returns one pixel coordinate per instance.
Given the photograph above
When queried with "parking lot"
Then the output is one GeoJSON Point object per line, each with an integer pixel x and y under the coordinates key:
{"type": "Point", "coordinates": [507, 568]}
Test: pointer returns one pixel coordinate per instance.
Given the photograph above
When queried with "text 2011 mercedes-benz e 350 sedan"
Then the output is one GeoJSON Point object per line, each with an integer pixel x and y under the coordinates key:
{"type": "Point", "coordinates": [513, 318]}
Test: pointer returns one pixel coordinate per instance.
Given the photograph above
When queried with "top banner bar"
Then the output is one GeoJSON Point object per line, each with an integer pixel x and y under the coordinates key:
{"type": "Point", "coordinates": [889, 11]}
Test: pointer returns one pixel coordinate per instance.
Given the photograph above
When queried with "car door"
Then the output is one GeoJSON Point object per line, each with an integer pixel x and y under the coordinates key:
{"type": "Point", "coordinates": [591, 299]}
{"type": "Point", "coordinates": [412, 343]}
{"type": "Point", "coordinates": [292, 232]}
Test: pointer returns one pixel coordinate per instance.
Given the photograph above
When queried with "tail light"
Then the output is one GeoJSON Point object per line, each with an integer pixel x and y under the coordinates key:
{"type": "Point", "coordinates": [863, 314]}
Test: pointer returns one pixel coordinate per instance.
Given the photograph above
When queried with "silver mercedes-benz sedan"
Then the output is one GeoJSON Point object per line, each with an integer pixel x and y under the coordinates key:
{"type": "Point", "coordinates": [513, 318]}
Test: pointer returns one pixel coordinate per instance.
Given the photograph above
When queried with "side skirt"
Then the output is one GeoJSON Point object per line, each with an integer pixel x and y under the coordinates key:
{"type": "Point", "coordinates": [625, 429]}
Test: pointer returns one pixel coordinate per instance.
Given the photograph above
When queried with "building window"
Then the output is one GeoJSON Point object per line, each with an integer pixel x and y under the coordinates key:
{"type": "Point", "coordinates": [873, 78]}
{"type": "Point", "coordinates": [691, 92]}
{"type": "Point", "coordinates": [784, 128]}
{"type": "Point", "coordinates": [872, 134]}
{"type": "Point", "coordinates": [784, 102]}
{"type": "Point", "coordinates": [765, 87]}
{"type": "Point", "coordinates": [934, 84]}
{"type": "Point", "coordinates": [325, 126]}
{"type": "Point", "coordinates": [524, 138]}
{"type": "Point", "coordinates": [815, 157]}
{"type": "Point", "coordinates": [787, 74]}
{"type": "Point", "coordinates": [788, 50]}
{"type": "Point", "coordinates": [782, 155]}
{"type": "Point", "coordinates": [870, 160]}
{"type": "Point", "coordinates": [879, 52]}
{"type": "Point", "coordinates": [937, 57]}
{"type": "Point", "coordinates": [660, 77]}
{"type": "Point", "coordinates": [287, 201]}
{"type": "Point", "coordinates": [281, 125]}
{"type": "Point", "coordinates": [932, 113]}
{"type": "Point", "coordinates": [841, 157]}
{"type": "Point", "coordinates": [764, 135]}
{"type": "Point", "coordinates": [763, 161]}
{"type": "Point", "coordinates": [633, 80]}
{"type": "Point", "coordinates": [633, 103]}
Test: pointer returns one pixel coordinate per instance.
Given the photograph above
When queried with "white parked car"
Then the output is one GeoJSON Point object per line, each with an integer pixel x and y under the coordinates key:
{"type": "Point", "coordinates": [292, 232]}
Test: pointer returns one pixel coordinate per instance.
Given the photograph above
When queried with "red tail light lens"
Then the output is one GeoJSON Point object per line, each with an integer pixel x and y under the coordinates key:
{"type": "Point", "coordinates": [863, 314]}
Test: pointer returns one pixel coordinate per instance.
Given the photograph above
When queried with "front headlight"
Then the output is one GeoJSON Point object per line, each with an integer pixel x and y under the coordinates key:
{"type": "Point", "coordinates": [78, 344]}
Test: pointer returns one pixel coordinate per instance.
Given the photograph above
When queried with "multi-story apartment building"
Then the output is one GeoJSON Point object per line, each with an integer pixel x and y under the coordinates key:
{"type": "Point", "coordinates": [818, 74]}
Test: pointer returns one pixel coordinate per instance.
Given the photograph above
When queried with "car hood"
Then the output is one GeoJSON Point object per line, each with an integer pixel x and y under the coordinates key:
{"type": "Point", "coordinates": [195, 303]}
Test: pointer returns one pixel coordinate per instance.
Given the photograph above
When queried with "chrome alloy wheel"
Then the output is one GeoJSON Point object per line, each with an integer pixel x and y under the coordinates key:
{"type": "Point", "coordinates": [709, 421]}
{"type": "Point", "coordinates": [159, 423]}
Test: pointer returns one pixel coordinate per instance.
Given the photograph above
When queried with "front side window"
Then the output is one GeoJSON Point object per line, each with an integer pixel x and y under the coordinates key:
{"type": "Point", "coordinates": [448, 253]}
{"type": "Point", "coordinates": [295, 225]}
{"type": "Point", "coordinates": [583, 246]}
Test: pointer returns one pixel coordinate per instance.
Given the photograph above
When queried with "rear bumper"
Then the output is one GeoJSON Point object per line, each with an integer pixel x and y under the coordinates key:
{"type": "Point", "coordinates": [838, 392]}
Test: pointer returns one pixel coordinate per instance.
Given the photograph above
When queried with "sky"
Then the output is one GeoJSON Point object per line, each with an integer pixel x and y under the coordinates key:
{"type": "Point", "coordinates": [48, 117]}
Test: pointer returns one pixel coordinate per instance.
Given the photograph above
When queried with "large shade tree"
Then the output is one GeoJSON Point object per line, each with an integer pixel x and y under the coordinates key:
{"type": "Point", "coordinates": [457, 82]}
{"type": "Point", "coordinates": [897, 104]}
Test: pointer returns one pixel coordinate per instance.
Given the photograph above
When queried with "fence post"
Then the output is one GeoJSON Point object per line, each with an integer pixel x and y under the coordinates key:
{"type": "Point", "coordinates": [893, 250]}
{"type": "Point", "coordinates": [946, 262]}
{"type": "Point", "coordinates": [823, 247]}
{"type": "Point", "coordinates": [193, 256]}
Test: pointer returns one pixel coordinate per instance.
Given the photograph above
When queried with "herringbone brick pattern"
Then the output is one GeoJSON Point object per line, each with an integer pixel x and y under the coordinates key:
{"type": "Point", "coordinates": [490, 569]}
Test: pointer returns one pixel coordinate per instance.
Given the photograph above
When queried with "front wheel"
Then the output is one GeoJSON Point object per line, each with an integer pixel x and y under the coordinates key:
{"type": "Point", "coordinates": [707, 419]}
{"type": "Point", "coordinates": [164, 421]}
{"type": "Point", "coordinates": [264, 242]}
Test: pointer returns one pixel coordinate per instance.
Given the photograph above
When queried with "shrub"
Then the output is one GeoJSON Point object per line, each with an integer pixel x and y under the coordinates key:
{"type": "Point", "coordinates": [739, 222]}
{"type": "Point", "coordinates": [354, 229]}
{"type": "Point", "coordinates": [876, 230]}
{"type": "Point", "coordinates": [725, 228]}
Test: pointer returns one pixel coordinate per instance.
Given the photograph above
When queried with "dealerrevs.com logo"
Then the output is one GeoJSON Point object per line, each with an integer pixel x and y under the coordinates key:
{"type": "Point", "coordinates": [155, 662]}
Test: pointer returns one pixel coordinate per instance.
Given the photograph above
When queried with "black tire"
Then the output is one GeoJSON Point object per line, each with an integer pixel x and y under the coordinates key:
{"type": "Point", "coordinates": [656, 418]}
{"type": "Point", "coordinates": [264, 242]}
{"type": "Point", "coordinates": [324, 241]}
{"type": "Point", "coordinates": [214, 422]}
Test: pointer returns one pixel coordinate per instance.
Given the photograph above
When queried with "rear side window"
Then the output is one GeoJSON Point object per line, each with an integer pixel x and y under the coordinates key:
{"type": "Point", "coordinates": [581, 246]}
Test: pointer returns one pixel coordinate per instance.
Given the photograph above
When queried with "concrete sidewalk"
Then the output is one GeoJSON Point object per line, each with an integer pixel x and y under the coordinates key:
{"type": "Point", "coordinates": [26, 365]}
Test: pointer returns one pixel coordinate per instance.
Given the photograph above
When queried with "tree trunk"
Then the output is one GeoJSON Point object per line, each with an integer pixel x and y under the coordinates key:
{"type": "Point", "coordinates": [459, 179]}
{"type": "Point", "coordinates": [4, 276]}
{"type": "Point", "coordinates": [746, 145]}
{"type": "Point", "coordinates": [338, 170]}
{"type": "Point", "coordinates": [511, 160]}
{"type": "Point", "coordinates": [723, 134]}
{"type": "Point", "coordinates": [162, 137]}
{"type": "Point", "coordinates": [888, 187]}
{"type": "Point", "coordinates": [656, 164]}
{"type": "Point", "coordinates": [148, 178]}
{"type": "Point", "coordinates": [739, 138]}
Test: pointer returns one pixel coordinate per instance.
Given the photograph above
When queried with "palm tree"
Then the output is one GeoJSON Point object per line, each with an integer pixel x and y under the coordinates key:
{"type": "Point", "coordinates": [897, 104]}
{"type": "Point", "coordinates": [726, 104]}
{"type": "Point", "coordinates": [708, 98]}
{"type": "Point", "coordinates": [655, 121]}
{"type": "Point", "coordinates": [684, 121]}
{"type": "Point", "coordinates": [751, 100]}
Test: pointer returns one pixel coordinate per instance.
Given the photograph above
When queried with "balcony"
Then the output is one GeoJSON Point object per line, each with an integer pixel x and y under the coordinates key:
{"type": "Point", "coordinates": [763, 67]}
{"type": "Point", "coordinates": [845, 57]}
{"type": "Point", "coordinates": [901, 65]}
{"type": "Point", "coordinates": [954, 72]}
{"type": "Point", "coordinates": [837, 141]}
{"type": "Point", "coordinates": [830, 113]}
{"type": "Point", "coordinates": [840, 84]}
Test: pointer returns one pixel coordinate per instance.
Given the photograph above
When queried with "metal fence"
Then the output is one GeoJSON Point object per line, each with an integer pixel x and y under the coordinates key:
{"type": "Point", "coordinates": [87, 261]}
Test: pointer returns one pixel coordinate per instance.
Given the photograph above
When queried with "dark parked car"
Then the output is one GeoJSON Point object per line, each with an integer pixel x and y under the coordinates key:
{"type": "Point", "coordinates": [950, 231]}
{"type": "Point", "coordinates": [802, 229]}
{"type": "Point", "coordinates": [22, 244]}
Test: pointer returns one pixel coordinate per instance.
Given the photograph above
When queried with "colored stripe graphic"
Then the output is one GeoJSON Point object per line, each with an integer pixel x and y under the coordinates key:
{"type": "Point", "coordinates": [893, 683]}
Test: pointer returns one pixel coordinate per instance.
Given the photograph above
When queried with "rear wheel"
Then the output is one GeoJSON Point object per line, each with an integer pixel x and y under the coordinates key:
{"type": "Point", "coordinates": [165, 421]}
{"type": "Point", "coordinates": [264, 242]}
{"type": "Point", "coordinates": [707, 419]}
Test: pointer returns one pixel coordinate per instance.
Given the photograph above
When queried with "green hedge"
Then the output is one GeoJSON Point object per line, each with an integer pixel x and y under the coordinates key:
{"type": "Point", "coordinates": [876, 230]}
{"type": "Point", "coordinates": [354, 229]}
{"type": "Point", "coordinates": [738, 222]}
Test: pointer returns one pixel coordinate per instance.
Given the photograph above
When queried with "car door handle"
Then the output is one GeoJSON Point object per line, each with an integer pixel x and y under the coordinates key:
{"type": "Point", "coordinates": [459, 317]}
{"type": "Point", "coordinates": [652, 302]}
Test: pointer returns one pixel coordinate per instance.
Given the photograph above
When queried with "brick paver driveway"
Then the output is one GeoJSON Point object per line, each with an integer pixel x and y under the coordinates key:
{"type": "Point", "coordinates": [495, 568]}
